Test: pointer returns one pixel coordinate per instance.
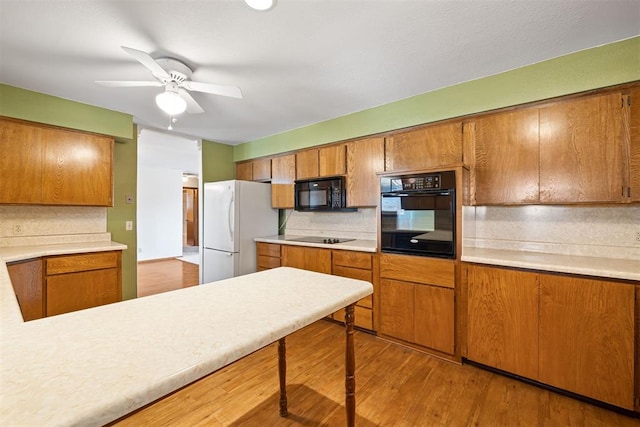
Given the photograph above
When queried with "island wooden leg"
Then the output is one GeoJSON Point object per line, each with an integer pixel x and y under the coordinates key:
{"type": "Point", "coordinates": [350, 364]}
{"type": "Point", "coordinates": [282, 371]}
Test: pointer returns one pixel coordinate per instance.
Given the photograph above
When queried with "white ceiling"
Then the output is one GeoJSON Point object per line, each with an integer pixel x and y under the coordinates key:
{"type": "Point", "coordinates": [304, 62]}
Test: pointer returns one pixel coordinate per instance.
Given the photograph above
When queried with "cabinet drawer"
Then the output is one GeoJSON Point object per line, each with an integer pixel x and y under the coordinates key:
{"type": "Point", "coordinates": [268, 249]}
{"type": "Point", "coordinates": [416, 269]}
{"type": "Point", "coordinates": [81, 262]}
{"type": "Point", "coordinates": [363, 317]}
{"type": "Point", "coordinates": [352, 259]}
{"type": "Point", "coordinates": [356, 273]}
{"type": "Point", "coordinates": [267, 262]}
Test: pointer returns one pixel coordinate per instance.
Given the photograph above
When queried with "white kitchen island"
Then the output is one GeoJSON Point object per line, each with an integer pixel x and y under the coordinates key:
{"type": "Point", "coordinates": [94, 366]}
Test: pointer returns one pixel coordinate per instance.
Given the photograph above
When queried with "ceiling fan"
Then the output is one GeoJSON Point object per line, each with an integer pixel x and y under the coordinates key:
{"type": "Point", "coordinates": [175, 76]}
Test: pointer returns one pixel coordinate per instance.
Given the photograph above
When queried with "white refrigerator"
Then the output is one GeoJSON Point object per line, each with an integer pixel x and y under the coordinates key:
{"type": "Point", "coordinates": [234, 212]}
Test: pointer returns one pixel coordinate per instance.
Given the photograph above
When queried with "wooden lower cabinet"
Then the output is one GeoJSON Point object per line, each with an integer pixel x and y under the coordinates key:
{"type": "Point", "coordinates": [360, 266]}
{"type": "Point", "coordinates": [587, 337]}
{"type": "Point", "coordinates": [307, 258]}
{"type": "Point", "coordinates": [502, 324]}
{"type": "Point", "coordinates": [268, 256]}
{"type": "Point", "coordinates": [417, 301]}
{"type": "Point", "coordinates": [570, 332]}
{"type": "Point", "coordinates": [27, 279]}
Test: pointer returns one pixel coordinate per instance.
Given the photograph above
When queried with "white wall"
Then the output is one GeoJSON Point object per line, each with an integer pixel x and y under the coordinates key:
{"type": "Point", "coordinates": [162, 160]}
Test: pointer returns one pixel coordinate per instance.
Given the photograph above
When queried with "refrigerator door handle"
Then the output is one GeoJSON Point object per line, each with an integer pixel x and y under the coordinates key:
{"type": "Point", "coordinates": [230, 218]}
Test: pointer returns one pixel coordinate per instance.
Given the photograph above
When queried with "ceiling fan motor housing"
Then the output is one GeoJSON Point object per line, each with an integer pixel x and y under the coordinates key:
{"type": "Point", "coordinates": [178, 70]}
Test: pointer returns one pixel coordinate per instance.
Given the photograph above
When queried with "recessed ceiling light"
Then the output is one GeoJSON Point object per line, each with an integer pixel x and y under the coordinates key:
{"type": "Point", "coordinates": [263, 5]}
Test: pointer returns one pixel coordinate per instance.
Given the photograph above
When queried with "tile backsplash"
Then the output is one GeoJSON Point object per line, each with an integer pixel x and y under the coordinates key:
{"type": "Point", "coordinates": [22, 225]}
{"type": "Point", "coordinates": [570, 230]}
{"type": "Point", "coordinates": [356, 225]}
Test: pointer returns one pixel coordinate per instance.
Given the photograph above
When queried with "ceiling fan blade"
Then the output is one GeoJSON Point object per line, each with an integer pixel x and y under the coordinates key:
{"type": "Point", "coordinates": [224, 90]}
{"type": "Point", "coordinates": [109, 83]}
{"type": "Point", "coordinates": [145, 59]}
{"type": "Point", "coordinates": [192, 106]}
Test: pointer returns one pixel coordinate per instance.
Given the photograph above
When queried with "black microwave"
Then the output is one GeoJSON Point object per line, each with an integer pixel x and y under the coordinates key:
{"type": "Point", "coordinates": [322, 194]}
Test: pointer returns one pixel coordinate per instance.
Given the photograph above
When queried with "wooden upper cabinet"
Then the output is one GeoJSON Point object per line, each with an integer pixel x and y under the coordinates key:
{"type": "Point", "coordinates": [307, 164]}
{"type": "Point", "coordinates": [365, 158]}
{"type": "Point", "coordinates": [21, 152]}
{"type": "Point", "coordinates": [428, 147]}
{"type": "Point", "coordinates": [581, 150]}
{"type": "Point", "coordinates": [60, 167]}
{"type": "Point", "coordinates": [321, 162]}
{"type": "Point", "coordinates": [283, 175]}
{"type": "Point", "coordinates": [261, 169]}
{"type": "Point", "coordinates": [633, 105]}
{"type": "Point", "coordinates": [244, 171]}
{"type": "Point", "coordinates": [506, 158]}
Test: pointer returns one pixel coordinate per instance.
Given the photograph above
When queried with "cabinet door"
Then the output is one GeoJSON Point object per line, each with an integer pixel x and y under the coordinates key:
{"type": "Point", "coordinates": [397, 309]}
{"type": "Point", "coordinates": [332, 160]}
{"type": "Point", "coordinates": [21, 152]}
{"type": "Point", "coordinates": [365, 158]}
{"type": "Point", "coordinates": [283, 175]}
{"type": "Point", "coordinates": [307, 164]}
{"type": "Point", "coordinates": [317, 259]}
{"type": "Point", "coordinates": [78, 168]}
{"type": "Point", "coordinates": [424, 148]}
{"type": "Point", "coordinates": [581, 150]}
{"type": "Point", "coordinates": [587, 337]}
{"type": "Point", "coordinates": [28, 279]}
{"type": "Point", "coordinates": [293, 256]}
{"type": "Point", "coordinates": [77, 291]}
{"type": "Point", "coordinates": [633, 105]}
{"type": "Point", "coordinates": [244, 171]}
{"type": "Point", "coordinates": [434, 318]}
{"type": "Point", "coordinates": [506, 163]}
{"type": "Point", "coordinates": [502, 325]}
{"type": "Point", "coordinates": [261, 169]}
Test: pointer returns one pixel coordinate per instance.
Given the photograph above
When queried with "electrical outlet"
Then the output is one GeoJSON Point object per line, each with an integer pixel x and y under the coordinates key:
{"type": "Point", "coordinates": [18, 229]}
{"type": "Point", "coordinates": [637, 239]}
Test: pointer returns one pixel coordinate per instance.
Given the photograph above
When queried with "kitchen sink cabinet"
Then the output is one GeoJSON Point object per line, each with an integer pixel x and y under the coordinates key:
{"type": "Point", "coordinates": [321, 162]}
{"type": "Point", "coordinates": [502, 324]}
{"type": "Point", "coordinates": [570, 332]}
{"type": "Point", "coordinates": [76, 282]}
{"type": "Point", "coordinates": [427, 147]}
{"type": "Point", "coordinates": [587, 337]}
{"type": "Point", "coordinates": [268, 256]}
{"type": "Point", "coordinates": [307, 258]}
{"type": "Point", "coordinates": [27, 279]}
{"type": "Point", "coordinates": [417, 301]}
{"type": "Point", "coordinates": [53, 166]}
{"type": "Point", "coordinates": [581, 150]}
{"type": "Point", "coordinates": [365, 158]}
{"type": "Point", "coordinates": [283, 176]}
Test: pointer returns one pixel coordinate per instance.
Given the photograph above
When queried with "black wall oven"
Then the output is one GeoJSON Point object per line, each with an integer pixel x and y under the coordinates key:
{"type": "Point", "coordinates": [419, 214]}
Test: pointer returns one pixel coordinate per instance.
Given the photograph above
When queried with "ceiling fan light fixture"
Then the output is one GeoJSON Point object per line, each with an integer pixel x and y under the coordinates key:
{"type": "Point", "coordinates": [262, 5]}
{"type": "Point", "coordinates": [170, 102]}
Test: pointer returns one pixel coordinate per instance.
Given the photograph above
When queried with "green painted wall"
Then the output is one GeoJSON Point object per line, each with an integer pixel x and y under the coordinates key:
{"type": "Point", "coordinates": [37, 107]}
{"type": "Point", "coordinates": [585, 70]}
{"type": "Point", "coordinates": [217, 162]}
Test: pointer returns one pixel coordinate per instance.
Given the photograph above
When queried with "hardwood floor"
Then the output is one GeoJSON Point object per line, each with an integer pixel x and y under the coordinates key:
{"type": "Point", "coordinates": [395, 386]}
{"type": "Point", "coordinates": [165, 275]}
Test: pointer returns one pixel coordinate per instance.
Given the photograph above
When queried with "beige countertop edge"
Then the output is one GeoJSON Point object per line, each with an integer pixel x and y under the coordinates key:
{"type": "Point", "coordinates": [19, 253]}
{"type": "Point", "coordinates": [614, 268]}
{"type": "Point", "coordinates": [354, 245]}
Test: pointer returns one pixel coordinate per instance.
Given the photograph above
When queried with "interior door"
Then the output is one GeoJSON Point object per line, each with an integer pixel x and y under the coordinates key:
{"type": "Point", "coordinates": [190, 213]}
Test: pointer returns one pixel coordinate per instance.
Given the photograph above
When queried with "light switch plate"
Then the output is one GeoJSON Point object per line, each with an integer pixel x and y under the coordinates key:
{"type": "Point", "coordinates": [128, 225]}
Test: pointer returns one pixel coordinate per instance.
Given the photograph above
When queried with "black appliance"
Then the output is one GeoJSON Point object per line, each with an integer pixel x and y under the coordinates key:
{"type": "Point", "coordinates": [322, 194]}
{"type": "Point", "coordinates": [419, 214]}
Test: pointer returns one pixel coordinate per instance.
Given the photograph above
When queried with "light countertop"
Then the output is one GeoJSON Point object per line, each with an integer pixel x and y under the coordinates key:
{"type": "Point", "coordinates": [353, 245]}
{"type": "Point", "coordinates": [19, 253]}
{"type": "Point", "coordinates": [93, 366]}
{"type": "Point", "coordinates": [590, 266]}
